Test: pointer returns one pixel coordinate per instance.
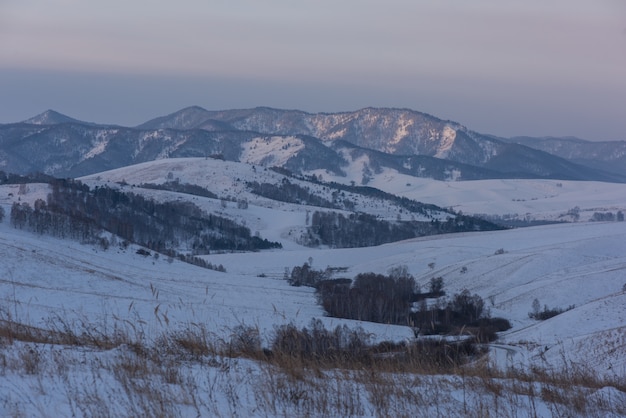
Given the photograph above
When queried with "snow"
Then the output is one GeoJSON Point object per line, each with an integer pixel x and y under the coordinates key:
{"type": "Point", "coordinates": [270, 151]}
{"type": "Point", "coordinates": [228, 181]}
{"type": "Point", "coordinates": [101, 145]}
{"type": "Point", "coordinates": [403, 129]}
{"type": "Point", "coordinates": [580, 264]}
{"type": "Point", "coordinates": [448, 135]}
{"type": "Point", "coordinates": [521, 198]}
{"type": "Point", "coordinates": [44, 280]}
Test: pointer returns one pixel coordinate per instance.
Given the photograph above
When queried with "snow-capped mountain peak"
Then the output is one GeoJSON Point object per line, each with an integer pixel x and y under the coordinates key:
{"type": "Point", "coordinates": [50, 117]}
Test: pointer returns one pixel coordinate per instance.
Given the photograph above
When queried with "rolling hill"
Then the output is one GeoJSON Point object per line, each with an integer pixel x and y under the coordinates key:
{"type": "Point", "coordinates": [48, 282]}
{"type": "Point", "coordinates": [97, 322]}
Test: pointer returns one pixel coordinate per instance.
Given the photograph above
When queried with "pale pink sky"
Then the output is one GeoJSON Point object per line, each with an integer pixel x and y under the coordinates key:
{"type": "Point", "coordinates": [504, 67]}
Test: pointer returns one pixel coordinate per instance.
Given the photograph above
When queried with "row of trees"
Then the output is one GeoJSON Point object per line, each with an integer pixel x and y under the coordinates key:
{"type": "Point", "coordinates": [608, 216]}
{"type": "Point", "coordinates": [158, 226]}
{"type": "Point", "coordinates": [396, 298]}
{"type": "Point", "coordinates": [410, 205]}
{"type": "Point", "coordinates": [290, 192]}
{"type": "Point", "coordinates": [370, 297]}
{"type": "Point", "coordinates": [74, 211]}
{"type": "Point", "coordinates": [362, 230]}
{"type": "Point", "coordinates": [41, 220]}
{"type": "Point", "coordinates": [9, 178]}
{"type": "Point", "coordinates": [177, 186]}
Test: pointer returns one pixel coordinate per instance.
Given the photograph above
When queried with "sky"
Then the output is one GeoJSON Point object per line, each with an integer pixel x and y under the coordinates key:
{"type": "Point", "coordinates": [502, 67]}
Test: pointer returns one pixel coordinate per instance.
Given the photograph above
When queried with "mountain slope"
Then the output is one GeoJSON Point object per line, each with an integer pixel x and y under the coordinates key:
{"type": "Point", "coordinates": [87, 292]}
{"type": "Point", "coordinates": [599, 155]}
{"type": "Point", "coordinates": [417, 144]}
{"type": "Point", "coordinates": [74, 149]}
{"type": "Point", "coordinates": [193, 117]}
{"type": "Point", "coordinates": [395, 132]}
{"type": "Point", "coordinates": [51, 117]}
{"type": "Point", "coordinates": [575, 264]}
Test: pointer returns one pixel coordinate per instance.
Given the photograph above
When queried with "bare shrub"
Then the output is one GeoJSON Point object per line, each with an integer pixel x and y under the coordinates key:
{"type": "Point", "coordinates": [547, 313]}
{"type": "Point", "coordinates": [30, 359]}
{"type": "Point", "coordinates": [245, 340]}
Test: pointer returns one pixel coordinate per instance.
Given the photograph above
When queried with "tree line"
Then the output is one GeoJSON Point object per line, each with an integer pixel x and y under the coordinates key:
{"type": "Point", "coordinates": [397, 299]}
{"type": "Point", "coordinates": [73, 210]}
{"type": "Point", "coordinates": [362, 230]}
{"type": "Point", "coordinates": [290, 192]}
{"type": "Point", "coordinates": [178, 187]}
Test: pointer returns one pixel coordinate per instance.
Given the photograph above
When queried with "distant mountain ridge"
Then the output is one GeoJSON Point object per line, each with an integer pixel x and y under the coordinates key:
{"type": "Point", "coordinates": [51, 117]}
{"type": "Point", "coordinates": [602, 155]}
{"type": "Point", "coordinates": [393, 131]}
{"type": "Point", "coordinates": [412, 142]}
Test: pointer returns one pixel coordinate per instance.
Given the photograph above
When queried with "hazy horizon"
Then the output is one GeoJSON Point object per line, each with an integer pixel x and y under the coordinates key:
{"type": "Point", "coordinates": [507, 69]}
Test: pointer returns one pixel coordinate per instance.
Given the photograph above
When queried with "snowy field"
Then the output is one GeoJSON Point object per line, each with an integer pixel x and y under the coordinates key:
{"type": "Point", "coordinates": [551, 200]}
{"type": "Point", "coordinates": [48, 282]}
{"type": "Point", "coordinates": [520, 198]}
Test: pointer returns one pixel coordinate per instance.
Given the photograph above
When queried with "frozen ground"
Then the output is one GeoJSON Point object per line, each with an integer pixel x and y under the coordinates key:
{"type": "Point", "coordinates": [44, 280]}
{"type": "Point", "coordinates": [519, 198]}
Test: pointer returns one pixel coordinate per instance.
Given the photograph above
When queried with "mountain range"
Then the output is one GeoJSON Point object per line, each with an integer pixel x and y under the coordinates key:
{"type": "Point", "coordinates": [162, 279]}
{"type": "Point", "coordinates": [408, 141]}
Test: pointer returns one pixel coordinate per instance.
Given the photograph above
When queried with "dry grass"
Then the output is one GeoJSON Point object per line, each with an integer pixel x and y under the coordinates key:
{"type": "Point", "coordinates": [191, 372]}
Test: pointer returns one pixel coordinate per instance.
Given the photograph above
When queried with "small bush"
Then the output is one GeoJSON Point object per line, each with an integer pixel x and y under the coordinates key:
{"type": "Point", "coordinates": [548, 313]}
{"type": "Point", "coordinates": [245, 340]}
{"type": "Point", "coordinates": [306, 276]}
{"type": "Point", "coordinates": [436, 286]}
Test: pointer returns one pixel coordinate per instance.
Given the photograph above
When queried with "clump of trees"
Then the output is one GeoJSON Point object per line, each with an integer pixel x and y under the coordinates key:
{"type": "Point", "coordinates": [316, 342]}
{"type": "Point", "coordinates": [290, 192]}
{"type": "Point", "coordinates": [396, 298]}
{"type": "Point", "coordinates": [178, 187]}
{"type": "Point", "coordinates": [306, 276]}
{"type": "Point", "coordinates": [315, 345]}
{"type": "Point", "coordinates": [362, 230]}
{"type": "Point", "coordinates": [370, 297]}
{"type": "Point", "coordinates": [9, 178]}
{"type": "Point", "coordinates": [546, 313]}
{"type": "Point", "coordinates": [201, 262]}
{"type": "Point", "coordinates": [158, 226]}
{"type": "Point", "coordinates": [74, 211]}
{"type": "Point", "coordinates": [608, 216]}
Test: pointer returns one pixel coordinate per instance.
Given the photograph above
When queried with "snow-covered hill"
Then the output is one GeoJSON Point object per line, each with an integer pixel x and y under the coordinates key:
{"type": "Point", "coordinates": [228, 180]}
{"type": "Point", "coordinates": [552, 200]}
{"type": "Point", "coordinates": [581, 264]}
{"type": "Point", "coordinates": [60, 284]}
{"type": "Point", "coordinates": [548, 200]}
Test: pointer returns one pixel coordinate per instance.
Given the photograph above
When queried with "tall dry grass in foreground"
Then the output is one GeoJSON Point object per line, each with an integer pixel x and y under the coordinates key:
{"type": "Point", "coordinates": [80, 370]}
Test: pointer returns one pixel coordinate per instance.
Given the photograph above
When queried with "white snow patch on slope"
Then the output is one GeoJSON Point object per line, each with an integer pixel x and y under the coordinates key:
{"type": "Point", "coordinates": [448, 135]}
{"type": "Point", "coordinates": [268, 151]}
{"type": "Point", "coordinates": [402, 131]}
{"type": "Point", "coordinates": [101, 144]}
{"type": "Point", "coordinates": [538, 199]}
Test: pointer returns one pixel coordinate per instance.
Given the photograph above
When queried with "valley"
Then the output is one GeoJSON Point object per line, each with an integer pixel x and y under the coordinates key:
{"type": "Point", "coordinates": [147, 326]}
